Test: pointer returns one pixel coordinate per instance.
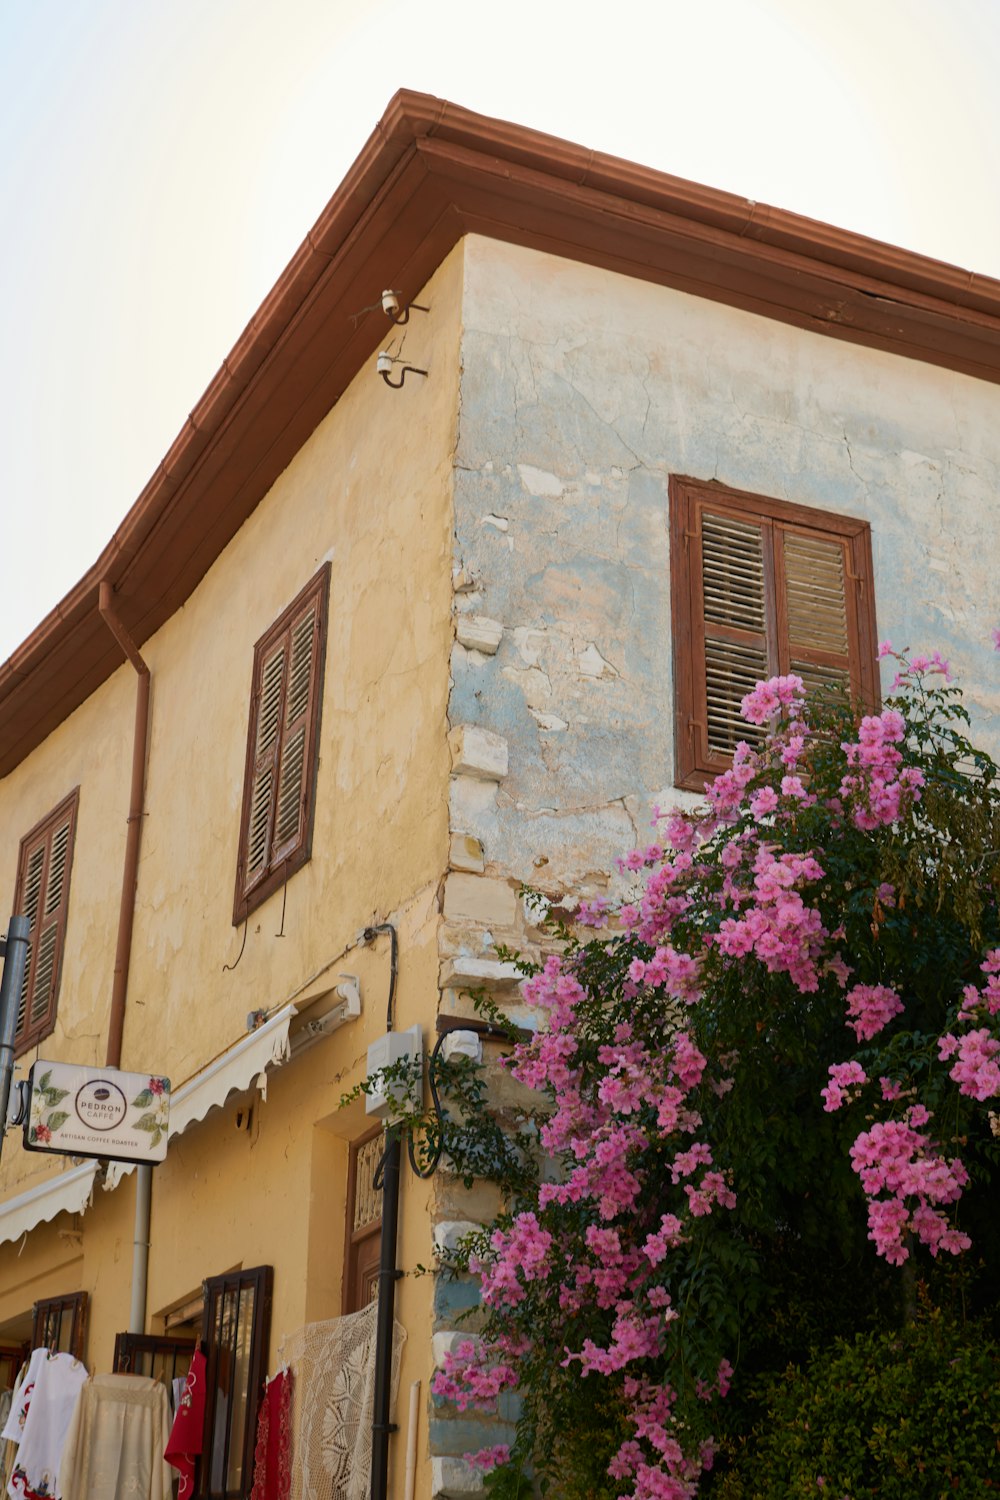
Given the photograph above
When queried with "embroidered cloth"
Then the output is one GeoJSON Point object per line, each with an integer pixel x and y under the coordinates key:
{"type": "Point", "coordinates": [13, 1428]}
{"type": "Point", "coordinates": [272, 1474]}
{"type": "Point", "coordinates": [115, 1442]}
{"type": "Point", "coordinates": [184, 1443]}
{"type": "Point", "coordinates": [50, 1411]}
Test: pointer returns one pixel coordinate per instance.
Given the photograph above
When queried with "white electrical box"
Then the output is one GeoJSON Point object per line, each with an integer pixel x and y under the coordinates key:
{"type": "Point", "coordinates": [394, 1047]}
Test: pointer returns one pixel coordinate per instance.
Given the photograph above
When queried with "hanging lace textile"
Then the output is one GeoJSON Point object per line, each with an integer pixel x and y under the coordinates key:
{"type": "Point", "coordinates": [115, 1442]}
{"type": "Point", "coordinates": [272, 1472]}
{"type": "Point", "coordinates": [334, 1366]}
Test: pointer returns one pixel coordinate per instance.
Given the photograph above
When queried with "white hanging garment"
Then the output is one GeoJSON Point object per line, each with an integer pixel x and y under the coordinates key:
{"type": "Point", "coordinates": [50, 1410]}
{"type": "Point", "coordinates": [14, 1425]}
{"type": "Point", "coordinates": [116, 1439]}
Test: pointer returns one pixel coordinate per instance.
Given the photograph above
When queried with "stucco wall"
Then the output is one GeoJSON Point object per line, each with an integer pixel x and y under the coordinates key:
{"type": "Point", "coordinates": [582, 391]}
{"type": "Point", "coordinates": [92, 750]}
{"type": "Point", "coordinates": [371, 492]}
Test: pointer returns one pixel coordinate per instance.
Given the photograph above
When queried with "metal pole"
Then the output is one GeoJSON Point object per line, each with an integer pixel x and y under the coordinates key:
{"type": "Point", "coordinates": [11, 984]}
{"type": "Point", "coordinates": [140, 1248]}
{"type": "Point", "coordinates": [387, 1276]}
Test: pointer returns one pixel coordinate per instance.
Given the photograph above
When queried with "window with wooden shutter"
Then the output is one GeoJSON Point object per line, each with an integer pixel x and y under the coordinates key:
{"type": "Point", "coordinates": [42, 895]}
{"type": "Point", "coordinates": [282, 747]}
{"type": "Point", "coordinates": [364, 1223]}
{"type": "Point", "coordinates": [760, 587]}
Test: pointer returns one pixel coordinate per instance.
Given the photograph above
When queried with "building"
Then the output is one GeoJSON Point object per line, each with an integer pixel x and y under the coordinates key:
{"type": "Point", "coordinates": [382, 655]}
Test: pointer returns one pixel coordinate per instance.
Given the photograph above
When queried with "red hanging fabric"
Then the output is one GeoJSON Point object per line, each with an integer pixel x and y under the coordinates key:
{"type": "Point", "coordinates": [272, 1475]}
{"type": "Point", "coordinates": [184, 1443]}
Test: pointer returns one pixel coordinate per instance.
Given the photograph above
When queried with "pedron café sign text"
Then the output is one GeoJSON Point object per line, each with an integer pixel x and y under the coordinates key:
{"type": "Point", "coordinates": [97, 1112]}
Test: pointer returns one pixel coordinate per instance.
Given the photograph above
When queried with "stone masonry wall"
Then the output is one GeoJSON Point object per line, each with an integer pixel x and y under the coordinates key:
{"type": "Point", "coordinates": [581, 392]}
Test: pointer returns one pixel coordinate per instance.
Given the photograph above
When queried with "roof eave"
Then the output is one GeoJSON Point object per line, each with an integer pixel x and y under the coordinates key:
{"type": "Point", "coordinates": [430, 173]}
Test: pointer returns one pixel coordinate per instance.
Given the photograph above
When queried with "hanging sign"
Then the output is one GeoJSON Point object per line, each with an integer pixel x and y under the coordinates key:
{"type": "Point", "coordinates": [75, 1111]}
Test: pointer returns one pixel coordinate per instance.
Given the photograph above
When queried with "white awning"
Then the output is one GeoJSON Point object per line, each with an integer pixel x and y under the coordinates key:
{"type": "Point", "coordinates": [68, 1193]}
{"type": "Point", "coordinates": [232, 1072]}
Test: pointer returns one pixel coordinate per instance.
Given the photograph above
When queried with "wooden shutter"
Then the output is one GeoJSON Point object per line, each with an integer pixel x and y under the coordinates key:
{"type": "Point", "coordinates": [42, 895]}
{"type": "Point", "coordinates": [282, 746]}
{"type": "Point", "coordinates": [364, 1223]}
{"type": "Point", "coordinates": [236, 1331]}
{"type": "Point", "coordinates": [760, 587]}
{"type": "Point", "coordinates": [813, 583]}
{"type": "Point", "coordinates": [730, 573]}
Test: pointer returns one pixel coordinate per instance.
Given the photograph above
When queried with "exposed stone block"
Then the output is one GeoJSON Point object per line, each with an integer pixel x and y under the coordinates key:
{"type": "Point", "coordinates": [450, 1232]}
{"type": "Point", "coordinates": [592, 664]}
{"type": "Point", "coordinates": [475, 898]}
{"type": "Point", "coordinates": [463, 971]}
{"type": "Point", "coordinates": [453, 1478]}
{"type": "Point", "coordinates": [478, 752]}
{"type": "Point", "coordinates": [478, 633]}
{"type": "Point", "coordinates": [454, 1298]}
{"type": "Point", "coordinates": [459, 1435]}
{"type": "Point", "coordinates": [466, 853]}
{"type": "Point", "coordinates": [551, 723]}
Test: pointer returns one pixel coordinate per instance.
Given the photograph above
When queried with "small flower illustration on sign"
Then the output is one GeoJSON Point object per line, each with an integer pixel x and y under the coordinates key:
{"type": "Point", "coordinates": [46, 1116]}
{"type": "Point", "coordinates": [154, 1100]}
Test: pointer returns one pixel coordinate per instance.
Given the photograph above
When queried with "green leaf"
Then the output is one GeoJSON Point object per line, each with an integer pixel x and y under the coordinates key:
{"type": "Point", "coordinates": [58, 1120]}
{"type": "Point", "coordinates": [148, 1123]}
{"type": "Point", "coordinates": [43, 1081]}
{"type": "Point", "coordinates": [142, 1100]}
{"type": "Point", "coordinates": [53, 1097]}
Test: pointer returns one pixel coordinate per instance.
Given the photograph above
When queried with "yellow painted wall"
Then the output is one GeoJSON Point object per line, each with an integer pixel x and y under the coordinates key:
{"type": "Point", "coordinates": [91, 750]}
{"type": "Point", "coordinates": [371, 492]}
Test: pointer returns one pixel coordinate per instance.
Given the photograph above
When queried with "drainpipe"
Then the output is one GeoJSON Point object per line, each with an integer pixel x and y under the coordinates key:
{"type": "Point", "coordinates": [123, 949]}
{"type": "Point", "coordinates": [388, 1274]}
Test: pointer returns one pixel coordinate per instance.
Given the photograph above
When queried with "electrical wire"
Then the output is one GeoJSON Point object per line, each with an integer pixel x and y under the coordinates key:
{"type": "Point", "coordinates": [368, 936]}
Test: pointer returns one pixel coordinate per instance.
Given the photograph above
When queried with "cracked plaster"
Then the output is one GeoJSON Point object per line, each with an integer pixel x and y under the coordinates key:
{"type": "Point", "coordinates": [581, 392]}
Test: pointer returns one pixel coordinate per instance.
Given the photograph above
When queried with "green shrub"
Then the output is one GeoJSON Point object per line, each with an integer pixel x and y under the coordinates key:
{"type": "Point", "coordinates": [913, 1415]}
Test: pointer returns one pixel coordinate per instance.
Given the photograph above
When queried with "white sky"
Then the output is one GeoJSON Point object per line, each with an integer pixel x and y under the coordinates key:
{"type": "Point", "coordinates": [160, 161]}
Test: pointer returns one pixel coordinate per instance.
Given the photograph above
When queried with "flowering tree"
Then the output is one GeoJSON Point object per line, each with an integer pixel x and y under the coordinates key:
{"type": "Point", "coordinates": [765, 1090]}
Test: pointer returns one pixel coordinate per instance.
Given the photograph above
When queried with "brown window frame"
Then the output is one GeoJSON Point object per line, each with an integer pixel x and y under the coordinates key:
{"type": "Point", "coordinates": [77, 1305]}
{"type": "Point", "coordinates": [138, 1354]}
{"type": "Point", "coordinates": [695, 763]}
{"type": "Point", "coordinates": [362, 1246]}
{"type": "Point", "coordinates": [259, 1279]}
{"type": "Point", "coordinates": [282, 860]}
{"type": "Point", "coordinates": [29, 1033]}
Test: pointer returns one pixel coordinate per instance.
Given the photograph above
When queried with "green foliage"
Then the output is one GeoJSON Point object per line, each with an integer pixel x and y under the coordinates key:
{"type": "Point", "coordinates": [911, 1414]}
